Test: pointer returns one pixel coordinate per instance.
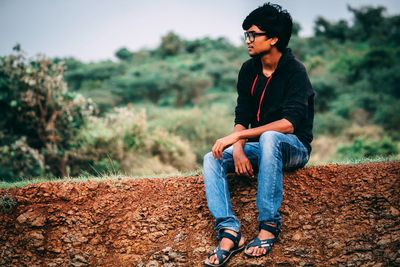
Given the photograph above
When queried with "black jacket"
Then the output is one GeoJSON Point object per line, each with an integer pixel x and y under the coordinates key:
{"type": "Point", "coordinates": [287, 93]}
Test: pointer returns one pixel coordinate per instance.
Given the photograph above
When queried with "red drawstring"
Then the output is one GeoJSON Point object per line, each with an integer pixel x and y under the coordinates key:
{"type": "Point", "coordinates": [262, 96]}
{"type": "Point", "coordinates": [254, 84]}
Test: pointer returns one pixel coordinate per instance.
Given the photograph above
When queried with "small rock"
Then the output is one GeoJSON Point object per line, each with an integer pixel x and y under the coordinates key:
{"type": "Point", "coordinates": [199, 250]}
{"type": "Point", "coordinates": [152, 263]}
{"type": "Point", "coordinates": [167, 249]}
{"type": "Point", "coordinates": [56, 249]}
{"type": "Point", "coordinates": [80, 258]}
{"type": "Point", "coordinates": [393, 211]}
{"type": "Point", "coordinates": [247, 199]}
{"type": "Point", "coordinates": [36, 235]}
{"type": "Point", "coordinates": [34, 218]}
{"type": "Point", "coordinates": [297, 236]}
{"type": "Point", "coordinates": [179, 237]}
{"type": "Point", "coordinates": [301, 252]}
{"type": "Point", "coordinates": [384, 240]}
{"type": "Point", "coordinates": [165, 258]}
{"type": "Point", "coordinates": [153, 236]}
{"type": "Point", "coordinates": [79, 261]}
{"type": "Point", "coordinates": [173, 255]}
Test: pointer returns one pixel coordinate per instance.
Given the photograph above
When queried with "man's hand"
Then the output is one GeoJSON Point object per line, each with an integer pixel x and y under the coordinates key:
{"type": "Point", "coordinates": [223, 143]}
{"type": "Point", "coordinates": [242, 163]}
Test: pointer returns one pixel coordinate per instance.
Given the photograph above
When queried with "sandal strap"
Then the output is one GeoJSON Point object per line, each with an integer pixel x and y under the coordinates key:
{"type": "Point", "coordinates": [274, 230]}
{"type": "Point", "coordinates": [234, 239]}
{"type": "Point", "coordinates": [220, 253]}
{"type": "Point", "coordinates": [257, 242]}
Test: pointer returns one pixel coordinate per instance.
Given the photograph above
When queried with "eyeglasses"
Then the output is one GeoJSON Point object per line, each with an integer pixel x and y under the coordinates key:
{"type": "Point", "coordinates": [252, 35]}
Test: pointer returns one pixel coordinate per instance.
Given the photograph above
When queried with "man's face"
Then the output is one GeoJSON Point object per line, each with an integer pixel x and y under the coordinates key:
{"type": "Point", "coordinates": [261, 44]}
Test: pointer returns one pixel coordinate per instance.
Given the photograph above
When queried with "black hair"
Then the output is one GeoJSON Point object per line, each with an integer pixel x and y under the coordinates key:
{"type": "Point", "coordinates": [274, 21]}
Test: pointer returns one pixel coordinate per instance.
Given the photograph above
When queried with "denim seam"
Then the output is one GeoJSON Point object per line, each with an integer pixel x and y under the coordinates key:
{"type": "Point", "coordinates": [224, 183]}
{"type": "Point", "coordinates": [273, 188]}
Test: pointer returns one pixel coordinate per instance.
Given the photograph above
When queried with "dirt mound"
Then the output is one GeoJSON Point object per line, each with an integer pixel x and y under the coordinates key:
{"type": "Point", "coordinates": [340, 215]}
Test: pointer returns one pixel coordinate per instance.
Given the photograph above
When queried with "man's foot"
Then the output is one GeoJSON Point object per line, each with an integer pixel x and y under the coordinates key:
{"type": "Point", "coordinates": [225, 244]}
{"type": "Point", "coordinates": [256, 251]}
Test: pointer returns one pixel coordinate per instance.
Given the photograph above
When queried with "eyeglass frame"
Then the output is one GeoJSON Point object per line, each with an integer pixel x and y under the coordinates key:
{"type": "Point", "coordinates": [251, 35]}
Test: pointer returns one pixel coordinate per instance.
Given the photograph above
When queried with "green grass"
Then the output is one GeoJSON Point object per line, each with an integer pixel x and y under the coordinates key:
{"type": "Point", "coordinates": [111, 176]}
{"type": "Point", "coordinates": [101, 177]}
{"type": "Point", "coordinates": [358, 161]}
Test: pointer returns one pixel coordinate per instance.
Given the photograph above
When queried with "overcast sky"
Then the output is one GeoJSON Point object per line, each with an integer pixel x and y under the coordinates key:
{"type": "Point", "coordinates": [93, 30]}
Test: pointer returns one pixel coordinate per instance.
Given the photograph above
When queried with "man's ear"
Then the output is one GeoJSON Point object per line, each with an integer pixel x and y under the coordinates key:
{"type": "Point", "coordinates": [274, 40]}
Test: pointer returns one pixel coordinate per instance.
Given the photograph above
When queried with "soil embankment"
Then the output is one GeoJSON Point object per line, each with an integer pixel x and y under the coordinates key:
{"type": "Point", "coordinates": [335, 215]}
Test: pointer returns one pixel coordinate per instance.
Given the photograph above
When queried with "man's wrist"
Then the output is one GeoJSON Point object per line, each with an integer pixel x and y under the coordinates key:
{"type": "Point", "coordinates": [239, 135]}
{"type": "Point", "coordinates": [239, 144]}
{"type": "Point", "coordinates": [238, 147]}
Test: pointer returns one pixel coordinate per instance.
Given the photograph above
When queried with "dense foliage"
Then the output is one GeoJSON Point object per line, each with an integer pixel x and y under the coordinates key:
{"type": "Point", "coordinates": [40, 118]}
{"type": "Point", "coordinates": [183, 97]}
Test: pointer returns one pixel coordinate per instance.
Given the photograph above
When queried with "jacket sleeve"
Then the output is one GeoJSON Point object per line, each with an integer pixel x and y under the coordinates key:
{"type": "Point", "coordinates": [243, 106]}
{"type": "Point", "coordinates": [296, 101]}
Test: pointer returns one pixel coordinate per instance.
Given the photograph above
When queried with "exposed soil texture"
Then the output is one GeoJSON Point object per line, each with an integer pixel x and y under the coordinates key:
{"type": "Point", "coordinates": [334, 215]}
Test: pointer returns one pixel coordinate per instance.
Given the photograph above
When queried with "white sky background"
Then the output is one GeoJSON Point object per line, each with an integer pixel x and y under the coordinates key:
{"type": "Point", "coordinates": [93, 30]}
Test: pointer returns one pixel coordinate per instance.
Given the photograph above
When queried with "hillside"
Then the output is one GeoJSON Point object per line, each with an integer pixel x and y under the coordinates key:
{"type": "Point", "coordinates": [334, 215]}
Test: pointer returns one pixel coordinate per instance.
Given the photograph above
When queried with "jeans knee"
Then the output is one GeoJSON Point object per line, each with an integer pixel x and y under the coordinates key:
{"type": "Point", "coordinates": [270, 137]}
{"type": "Point", "coordinates": [211, 167]}
{"type": "Point", "coordinates": [207, 159]}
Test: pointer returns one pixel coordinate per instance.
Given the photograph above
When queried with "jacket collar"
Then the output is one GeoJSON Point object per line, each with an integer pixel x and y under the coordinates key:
{"type": "Point", "coordinates": [287, 56]}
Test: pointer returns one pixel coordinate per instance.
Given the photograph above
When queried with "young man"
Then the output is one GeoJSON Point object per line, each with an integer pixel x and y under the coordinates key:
{"type": "Point", "coordinates": [272, 132]}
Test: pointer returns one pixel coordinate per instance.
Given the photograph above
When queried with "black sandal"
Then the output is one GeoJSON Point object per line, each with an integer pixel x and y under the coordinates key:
{"type": "Point", "coordinates": [265, 243]}
{"type": "Point", "coordinates": [223, 256]}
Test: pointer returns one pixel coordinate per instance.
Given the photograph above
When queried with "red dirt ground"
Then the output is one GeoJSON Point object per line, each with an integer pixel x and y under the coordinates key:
{"type": "Point", "coordinates": [335, 215]}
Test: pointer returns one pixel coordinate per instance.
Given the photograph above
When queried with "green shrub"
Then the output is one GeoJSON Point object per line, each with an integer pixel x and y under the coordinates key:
{"type": "Point", "coordinates": [200, 126]}
{"type": "Point", "coordinates": [122, 141]}
{"type": "Point", "coordinates": [388, 116]}
{"type": "Point", "coordinates": [329, 123]}
{"type": "Point", "coordinates": [19, 160]}
{"type": "Point", "coordinates": [173, 150]}
{"type": "Point", "coordinates": [7, 203]}
{"type": "Point", "coordinates": [365, 148]}
{"type": "Point", "coordinates": [106, 166]}
{"type": "Point", "coordinates": [40, 117]}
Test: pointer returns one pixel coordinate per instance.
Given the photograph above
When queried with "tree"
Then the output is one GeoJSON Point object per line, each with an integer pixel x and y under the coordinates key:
{"type": "Point", "coordinates": [171, 45]}
{"type": "Point", "coordinates": [39, 114]}
{"type": "Point", "coordinates": [368, 22]}
{"type": "Point", "coordinates": [339, 30]}
{"type": "Point", "coordinates": [124, 54]}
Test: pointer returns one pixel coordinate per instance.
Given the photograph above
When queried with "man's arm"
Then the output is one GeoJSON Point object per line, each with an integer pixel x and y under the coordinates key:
{"type": "Point", "coordinates": [240, 160]}
{"type": "Point", "coordinates": [282, 125]}
{"type": "Point", "coordinates": [239, 144]}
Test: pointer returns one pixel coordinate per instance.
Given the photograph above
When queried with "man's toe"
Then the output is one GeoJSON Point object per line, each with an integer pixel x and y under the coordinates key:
{"type": "Point", "coordinates": [255, 252]}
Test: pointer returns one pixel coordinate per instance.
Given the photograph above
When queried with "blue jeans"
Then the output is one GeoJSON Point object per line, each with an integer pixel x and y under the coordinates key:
{"type": "Point", "coordinates": [273, 153]}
